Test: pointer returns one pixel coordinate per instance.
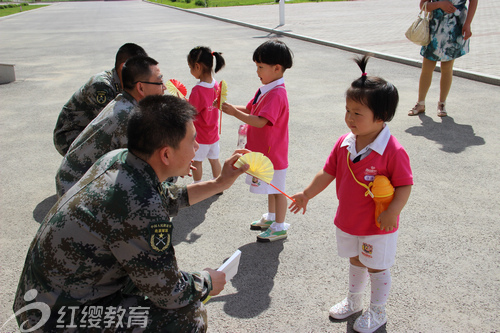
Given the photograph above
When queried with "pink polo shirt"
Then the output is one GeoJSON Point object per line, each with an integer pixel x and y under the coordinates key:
{"type": "Point", "coordinates": [207, 121]}
{"type": "Point", "coordinates": [355, 212]}
{"type": "Point", "coordinates": [272, 139]}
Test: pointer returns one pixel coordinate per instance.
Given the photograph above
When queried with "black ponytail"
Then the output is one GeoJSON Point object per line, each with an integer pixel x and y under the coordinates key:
{"type": "Point", "coordinates": [205, 56]}
{"type": "Point", "coordinates": [377, 94]}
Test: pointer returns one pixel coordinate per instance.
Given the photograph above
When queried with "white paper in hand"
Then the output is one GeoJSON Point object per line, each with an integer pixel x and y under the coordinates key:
{"type": "Point", "coordinates": [230, 267]}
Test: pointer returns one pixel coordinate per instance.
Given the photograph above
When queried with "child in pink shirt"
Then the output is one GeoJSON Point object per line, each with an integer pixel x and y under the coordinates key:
{"type": "Point", "coordinates": [368, 150]}
{"type": "Point", "coordinates": [202, 97]}
{"type": "Point", "coordinates": [267, 116]}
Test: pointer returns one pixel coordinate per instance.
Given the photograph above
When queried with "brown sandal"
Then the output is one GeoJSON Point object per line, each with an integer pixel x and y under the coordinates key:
{"type": "Point", "coordinates": [417, 109]}
{"type": "Point", "coordinates": [441, 111]}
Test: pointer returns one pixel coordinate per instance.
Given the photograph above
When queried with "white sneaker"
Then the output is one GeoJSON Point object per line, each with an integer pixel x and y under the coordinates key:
{"type": "Point", "coordinates": [371, 319]}
{"type": "Point", "coordinates": [350, 305]}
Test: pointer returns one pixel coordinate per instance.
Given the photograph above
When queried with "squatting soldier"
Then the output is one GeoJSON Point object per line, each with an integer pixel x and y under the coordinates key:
{"type": "Point", "coordinates": [106, 244]}
{"type": "Point", "coordinates": [91, 98]}
{"type": "Point", "coordinates": [141, 77]}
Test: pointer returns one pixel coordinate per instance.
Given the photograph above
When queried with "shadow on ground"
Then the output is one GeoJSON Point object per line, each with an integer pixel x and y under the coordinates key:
{"type": "Point", "coordinates": [453, 137]}
{"type": "Point", "coordinates": [188, 219]}
{"type": "Point", "coordinates": [254, 281]}
{"type": "Point", "coordinates": [43, 208]}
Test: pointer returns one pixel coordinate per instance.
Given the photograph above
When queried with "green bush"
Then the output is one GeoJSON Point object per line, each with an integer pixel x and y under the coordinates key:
{"type": "Point", "coordinates": [200, 3]}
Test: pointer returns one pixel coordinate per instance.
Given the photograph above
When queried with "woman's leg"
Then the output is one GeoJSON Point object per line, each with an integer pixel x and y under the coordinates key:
{"type": "Point", "coordinates": [446, 79]}
{"type": "Point", "coordinates": [425, 78]}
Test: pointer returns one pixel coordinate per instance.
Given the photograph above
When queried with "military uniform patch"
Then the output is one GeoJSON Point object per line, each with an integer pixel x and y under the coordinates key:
{"type": "Point", "coordinates": [101, 97]}
{"type": "Point", "coordinates": [160, 235]}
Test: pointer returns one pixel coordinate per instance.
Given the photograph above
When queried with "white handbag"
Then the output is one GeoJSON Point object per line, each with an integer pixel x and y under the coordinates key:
{"type": "Point", "coordinates": [418, 32]}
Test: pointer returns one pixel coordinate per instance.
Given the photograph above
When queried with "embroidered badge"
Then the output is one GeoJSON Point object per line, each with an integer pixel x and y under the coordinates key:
{"type": "Point", "coordinates": [370, 174]}
{"type": "Point", "coordinates": [101, 97]}
{"type": "Point", "coordinates": [367, 250]}
{"type": "Point", "coordinates": [160, 235]}
{"type": "Point", "coordinates": [255, 182]}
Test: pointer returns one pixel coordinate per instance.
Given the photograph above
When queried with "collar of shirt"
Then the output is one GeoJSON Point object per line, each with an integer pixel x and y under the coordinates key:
{"type": "Point", "coordinates": [377, 145]}
{"type": "Point", "coordinates": [265, 88]}
{"type": "Point", "coordinates": [206, 85]}
{"type": "Point", "coordinates": [129, 97]}
{"type": "Point", "coordinates": [116, 81]}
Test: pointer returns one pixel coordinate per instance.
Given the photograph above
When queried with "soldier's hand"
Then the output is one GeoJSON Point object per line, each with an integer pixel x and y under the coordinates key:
{"type": "Point", "coordinates": [218, 281]}
{"type": "Point", "coordinates": [229, 172]}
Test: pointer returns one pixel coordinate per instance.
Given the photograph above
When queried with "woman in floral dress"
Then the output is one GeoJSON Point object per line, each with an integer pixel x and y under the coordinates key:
{"type": "Point", "coordinates": [450, 32]}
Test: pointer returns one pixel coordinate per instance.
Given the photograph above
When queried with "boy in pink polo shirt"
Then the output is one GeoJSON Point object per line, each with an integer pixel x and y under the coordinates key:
{"type": "Point", "coordinates": [356, 159]}
{"type": "Point", "coordinates": [267, 116]}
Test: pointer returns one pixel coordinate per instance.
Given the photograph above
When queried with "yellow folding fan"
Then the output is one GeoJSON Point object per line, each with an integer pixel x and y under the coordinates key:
{"type": "Point", "coordinates": [260, 167]}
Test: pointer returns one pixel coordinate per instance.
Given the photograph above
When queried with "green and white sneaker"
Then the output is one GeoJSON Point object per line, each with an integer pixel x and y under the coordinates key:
{"type": "Point", "coordinates": [270, 236]}
{"type": "Point", "coordinates": [261, 224]}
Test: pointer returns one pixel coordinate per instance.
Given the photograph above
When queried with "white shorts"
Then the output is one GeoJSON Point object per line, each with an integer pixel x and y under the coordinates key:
{"type": "Point", "coordinates": [207, 151]}
{"type": "Point", "coordinates": [260, 187]}
{"type": "Point", "coordinates": [376, 251]}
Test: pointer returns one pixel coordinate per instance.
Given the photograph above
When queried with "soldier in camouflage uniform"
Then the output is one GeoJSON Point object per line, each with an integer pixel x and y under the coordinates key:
{"type": "Point", "coordinates": [141, 77]}
{"type": "Point", "coordinates": [106, 244]}
{"type": "Point", "coordinates": [91, 98]}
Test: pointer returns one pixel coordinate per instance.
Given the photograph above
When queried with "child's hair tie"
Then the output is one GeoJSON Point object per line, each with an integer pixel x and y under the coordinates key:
{"type": "Point", "coordinates": [364, 74]}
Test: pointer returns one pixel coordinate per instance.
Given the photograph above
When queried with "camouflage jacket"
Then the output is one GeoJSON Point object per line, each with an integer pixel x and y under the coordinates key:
{"type": "Point", "coordinates": [106, 132]}
{"type": "Point", "coordinates": [111, 230]}
{"type": "Point", "coordinates": [83, 106]}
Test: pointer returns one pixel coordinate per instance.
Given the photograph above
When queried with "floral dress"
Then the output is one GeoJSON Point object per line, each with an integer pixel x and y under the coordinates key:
{"type": "Point", "coordinates": [447, 42]}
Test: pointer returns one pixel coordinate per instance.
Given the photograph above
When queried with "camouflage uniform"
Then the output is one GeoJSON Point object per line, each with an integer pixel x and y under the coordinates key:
{"type": "Point", "coordinates": [83, 106]}
{"type": "Point", "coordinates": [106, 132]}
{"type": "Point", "coordinates": [107, 243]}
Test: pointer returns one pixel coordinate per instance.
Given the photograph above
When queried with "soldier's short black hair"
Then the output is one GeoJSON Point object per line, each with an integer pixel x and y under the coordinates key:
{"type": "Point", "coordinates": [161, 120]}
{"type": "Point", "coordinates": [380, 96]}
{"type": "Point", "coordinates": [137, 69]}
{"type": "Point", "coordinates": [127, 51]}
{"type": "Point", "coordinates": [274, 52]}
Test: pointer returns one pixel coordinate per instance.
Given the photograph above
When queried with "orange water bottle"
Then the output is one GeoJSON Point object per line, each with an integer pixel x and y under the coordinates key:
{"type": "Point", "coordinates": [383, 193]}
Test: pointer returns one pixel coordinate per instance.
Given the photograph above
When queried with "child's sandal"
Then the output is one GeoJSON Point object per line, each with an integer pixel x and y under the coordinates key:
{"type": "Point", "coordinates": [417, 109]}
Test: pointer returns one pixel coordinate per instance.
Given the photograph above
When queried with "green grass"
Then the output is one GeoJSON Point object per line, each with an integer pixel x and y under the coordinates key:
{"type": "Point", "coordinates": [16, 9]}
{"type": "Point", "coordinates": [188, 4]}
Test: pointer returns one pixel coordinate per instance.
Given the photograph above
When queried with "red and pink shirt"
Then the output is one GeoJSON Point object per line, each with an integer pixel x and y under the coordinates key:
{"type": "Point", "coordinates": [356, 212]}
{"type": "Point", "coordinates": [272, 139]}
{"type": "Point", "coordinates": [207, 121]}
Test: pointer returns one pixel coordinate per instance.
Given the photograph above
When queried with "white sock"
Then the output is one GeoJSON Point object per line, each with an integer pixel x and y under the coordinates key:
{"type": "Point", "coordinates": [196, 181]}
{"type": "Point", "coordinates": [270, 216]}
{"type": "Point", "coordinates": [381, 285]}
{"type": "Point", "coordinates": [358, 279]}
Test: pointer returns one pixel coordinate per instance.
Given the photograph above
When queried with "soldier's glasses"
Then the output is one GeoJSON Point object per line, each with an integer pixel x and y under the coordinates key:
{"type": "Point", "coordinates": [155, 83]}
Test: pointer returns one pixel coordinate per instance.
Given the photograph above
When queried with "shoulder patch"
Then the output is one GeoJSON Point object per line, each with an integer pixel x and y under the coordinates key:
{"type": "Point", "coordinates": [160, 235]}
{"type": "Point", "coordinates": [101, 97]}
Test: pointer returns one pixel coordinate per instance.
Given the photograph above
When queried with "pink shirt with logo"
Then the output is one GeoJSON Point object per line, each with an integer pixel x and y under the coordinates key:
{"type": "Point", "coordinates": [355, 212]}
{"type": "Point", "coordinates": [207, 121]}
{"type": "Point", "coordinates": [272, 139]}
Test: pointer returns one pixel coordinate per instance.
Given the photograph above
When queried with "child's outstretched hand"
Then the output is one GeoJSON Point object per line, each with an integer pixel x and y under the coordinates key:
{"type": "Point", "coordinates": [300, 203]}
{"type": "Point", "coordinates": [228, 109]}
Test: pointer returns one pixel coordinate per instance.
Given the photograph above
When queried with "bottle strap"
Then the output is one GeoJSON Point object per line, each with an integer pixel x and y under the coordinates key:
{"type": "Point", "coordinates": [367, 187]}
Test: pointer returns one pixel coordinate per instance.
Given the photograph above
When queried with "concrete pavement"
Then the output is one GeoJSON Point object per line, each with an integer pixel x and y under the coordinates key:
{"type": "Point", "coordinates": [446, 277]}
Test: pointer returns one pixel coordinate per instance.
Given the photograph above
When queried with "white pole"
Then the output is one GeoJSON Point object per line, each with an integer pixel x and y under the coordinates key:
{"type": "Point", "coordinates": [282, 12]}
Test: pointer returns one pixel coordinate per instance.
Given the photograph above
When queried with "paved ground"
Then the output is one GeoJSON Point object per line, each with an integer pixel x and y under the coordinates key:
{"type": "Point", "coordinates": [377, 26]}
{"type": "Point", "coordinates": [446, 277]}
